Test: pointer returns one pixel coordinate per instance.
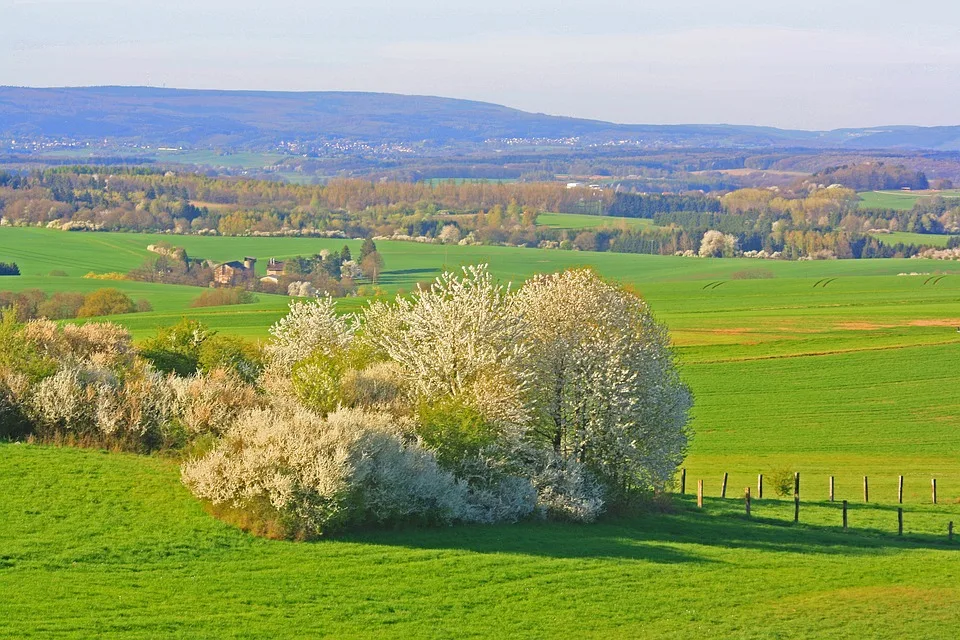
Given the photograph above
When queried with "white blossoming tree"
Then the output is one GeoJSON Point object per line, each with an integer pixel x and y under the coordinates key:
{"type": "Point", "coordinates": [605, 390]}
{"type": "Point", "coordinates": [457, 339]}
{"type": "Point", "coordinates": [716, 244]}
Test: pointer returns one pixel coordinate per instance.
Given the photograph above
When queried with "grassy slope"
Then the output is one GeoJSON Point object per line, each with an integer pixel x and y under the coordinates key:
{"type": "Point", "coordinates": [112, 545]}
{"type": "Point", "coordinates": [582, 221]}
{"type": "Point", "coordinates": [847, 377]}
{"type": "Point", "coordinates": [931, 239]}
{"type": "Point", "coordinates": [899, 200]}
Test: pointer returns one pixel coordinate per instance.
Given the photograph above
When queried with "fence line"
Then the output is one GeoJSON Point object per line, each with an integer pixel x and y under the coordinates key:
{"type": "Point", "coordinates": [796, 497]}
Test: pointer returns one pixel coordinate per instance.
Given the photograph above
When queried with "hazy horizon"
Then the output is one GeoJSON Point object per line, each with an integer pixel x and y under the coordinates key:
{"type": "Point", "coordinates": [812, 66]}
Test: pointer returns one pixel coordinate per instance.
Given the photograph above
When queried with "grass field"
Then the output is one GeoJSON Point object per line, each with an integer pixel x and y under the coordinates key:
{"type": "Point", "coordinates": [112, 545]}
{"type": "Point", "coordinates": [900, 200]}
{"type": "Point", "coordinates": [835, 368]}
{"type": "Point", "coordinates": [931, 239]}
{"type": "Point", "coordinates": [583, 221]}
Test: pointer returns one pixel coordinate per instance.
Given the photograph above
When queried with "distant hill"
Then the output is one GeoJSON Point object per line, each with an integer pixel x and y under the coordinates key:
{"type": "Point", "coordinates": [260, 119]}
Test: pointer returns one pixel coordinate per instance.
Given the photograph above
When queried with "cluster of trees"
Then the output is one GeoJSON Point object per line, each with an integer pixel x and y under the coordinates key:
{"type": "Point", "coordinates": [34, 303]}
{"type": "Point", "coordinates": [146, 200]}
{"type": "Point", "coordinates": [331, 273]}
{"type": "Point", "coordinates": [872, 176]}
{"type": "Point", "coordinates": [9, 269]}
{"type": "Point", "coordinates": [788, 221]}
{"type": "Point", "coordinates": [467, 402]}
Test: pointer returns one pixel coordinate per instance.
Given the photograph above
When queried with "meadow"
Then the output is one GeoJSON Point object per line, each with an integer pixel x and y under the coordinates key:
{"type": "Point", "coordinates": [904, 237]}
{"type": "Point", "coordinates": [584, 221]}
{"type": "Point", "coordinates": [900, 200]}
{"type": "Point", "coordinates": [839, 368]}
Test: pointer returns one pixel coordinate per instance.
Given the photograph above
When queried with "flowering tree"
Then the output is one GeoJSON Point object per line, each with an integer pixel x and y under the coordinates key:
{"type": "Point", "coordinates": [456, 339]}
{"type": "Point", "coordinates": [605, 390]}
{"type": "Point", "coordinates": [716, 244]}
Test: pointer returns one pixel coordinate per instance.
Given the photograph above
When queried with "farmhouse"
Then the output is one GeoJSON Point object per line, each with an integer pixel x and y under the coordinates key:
{"type": "Point", "coordinates": [234, 272]}
{"type": "Point", "coordinates": [275, 268]}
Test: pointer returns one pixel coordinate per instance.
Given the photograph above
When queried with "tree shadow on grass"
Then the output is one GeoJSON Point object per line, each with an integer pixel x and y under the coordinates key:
{"type": "Point", "coordinates": [399, 276]}
{"type": "Point", "coordinates": [654, 537]}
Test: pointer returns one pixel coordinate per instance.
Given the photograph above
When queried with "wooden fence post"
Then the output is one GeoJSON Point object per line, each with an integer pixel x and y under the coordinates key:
{"type": "Point", "coordinates": [683, 481]}
{"type": "Point", "coordinates": [760, 486]}
{"type": "Point", "coordinates": [796, 508]}
{"type": "Point", "coordinates": [831, 488]}
{"type": "Point", "coordinates": [723, 487]}
{"type": "Point", "coordinates": [866, 490]}
{"type": "Point", "coordinates": [844, 515]}
{"type": "Point", "coordinates": [933, 487]}
{"type": "Point", "coordinates": [899, 521]}
{"type": "Point", "coordinates": [900, 491]}
{"type": "Point", "coordinates": [950, 531]}
{"type": "Point", "coordinates": [746, 500]}
{"type": "Point", "coordinates": [700, 493]}
{"type": "Point", "coordinates": [796, 484]}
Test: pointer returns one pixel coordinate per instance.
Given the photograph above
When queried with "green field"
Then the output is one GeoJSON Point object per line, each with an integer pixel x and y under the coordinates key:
{"type": "Point", "coordinates": [930, 239]}
{"type": "Point", "coordinates": [583, 221]}
{"type": "Point", "coordinates": [111, 545]}
{"type": "Point", "coordinates": [900, 200]}
{"type": "Point", "coordinates": [835, 368]}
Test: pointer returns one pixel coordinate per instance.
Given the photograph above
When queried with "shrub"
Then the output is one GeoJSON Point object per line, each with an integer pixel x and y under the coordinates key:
{"type": "Point", "coordinates": [210, 403]}
{"type": "Point", "coordinates": [102, 343]}
{"type": "Point", "coordinates": [782, 482]}
{"type": "Point", "coordinates": [308, 327]}
{"type": "Point", "coordinates": [14, 423]}
{"type": "Point", "coordinates": [9, 269]}
{"type": "Point", "coordinates": [752, 274]}
{"type": "Point", "coordinates": [106, 276]}
{"type": "Point", "coordinates": [454, 430]}
{"type": "Point", "coordinates": [176, 348]}
{"type": "Point", "coordinates": [232, 353]}
{"type": "Point", "coordinates": [222, 297]}
{"type": "Point", "coordinates": [61, 306]}
{"type": "Point", "coordinates": [567, 491]}
{"type": "Point", "coordinates": [319, 475]}
{"type": "Point", "coordinates": [381, 385]}
{"type": "Point", "coordinates": [105, 302]}
{"type": "Point", "coordinates": [142, 305]}
{"type": "Point", "coordinates": [318, 381]}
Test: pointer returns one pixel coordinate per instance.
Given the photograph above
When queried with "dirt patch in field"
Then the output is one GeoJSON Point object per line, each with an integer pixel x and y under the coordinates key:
{"type": "Point", "coordinates": [863, 326]}
{"type": "Point", "coordinates": [944, 322]}
{"type": "Point", "coordinates": [734, 331]}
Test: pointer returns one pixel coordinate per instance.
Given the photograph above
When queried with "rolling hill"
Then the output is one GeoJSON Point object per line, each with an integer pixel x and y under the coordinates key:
{"type": "Point", "coordinates": [256, 120]}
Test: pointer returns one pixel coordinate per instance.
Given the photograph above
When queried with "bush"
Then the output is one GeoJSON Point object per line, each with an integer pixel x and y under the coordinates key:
{"type": "Point", "coordinates": [752, 274]}
{"type": "Point", "coordinates": [241, 357]}
{"type": "Point", "coordinates": [316, 476]}
{"type": "Point", "coordinates": [454, 430]}
{"type": "Point", "coordinates": [61, 306]}
{"type": "Point", "coordinates": [221, 297]}
{"type": "Point", "coordinates": [176, 348]}
{"type": "Point", "coordinates": [142, 305]}
{"type": "Point", "coordinates": [105, 302]}
{"type": "Point", "coordinates": [210, 403]}
{"type": "Point", "coordinates": [782, 482]}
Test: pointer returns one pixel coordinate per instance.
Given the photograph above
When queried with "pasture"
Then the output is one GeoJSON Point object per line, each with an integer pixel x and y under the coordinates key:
{"type": "Point", "coordinates": [577, 221]}
{"type": "Point", "coordinates": [836, 368]}
{"type": "Point", "coordinates": [903, 237]}
{"type": "Point", "coordinates": [900, 200]}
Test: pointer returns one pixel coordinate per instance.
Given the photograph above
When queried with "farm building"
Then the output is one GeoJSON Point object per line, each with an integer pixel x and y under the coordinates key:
{"type": "Point", "coordinates": [233, 273]}
{"type": "Point", "coordinates": [275, 267]}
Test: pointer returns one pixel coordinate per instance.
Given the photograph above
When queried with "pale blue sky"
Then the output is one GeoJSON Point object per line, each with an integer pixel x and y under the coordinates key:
{"type": "Point", "coordinates": [811, 64]}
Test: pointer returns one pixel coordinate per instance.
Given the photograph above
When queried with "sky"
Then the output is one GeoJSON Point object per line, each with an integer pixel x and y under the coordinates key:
{"type": "Point", "coordinates": [815, 64]}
